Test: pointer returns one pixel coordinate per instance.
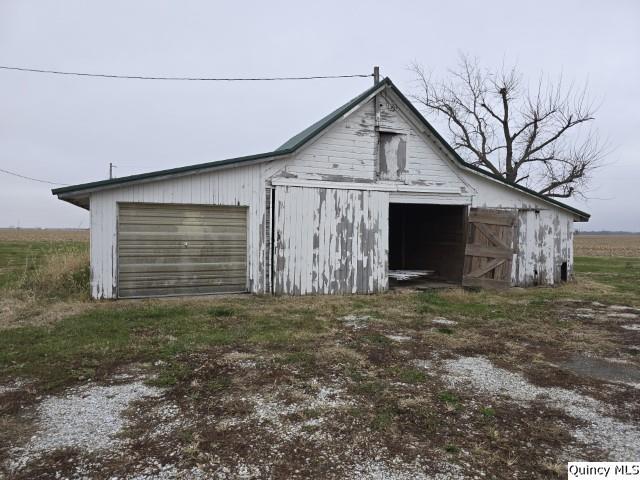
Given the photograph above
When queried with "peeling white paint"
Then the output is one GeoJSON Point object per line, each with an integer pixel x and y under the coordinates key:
{"type": "Point", "coordinates": [331, 228]}
{"type": "Point", "coordinates": [330, 241]}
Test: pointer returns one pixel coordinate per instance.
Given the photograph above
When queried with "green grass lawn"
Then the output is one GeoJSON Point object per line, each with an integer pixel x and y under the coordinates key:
{"type": "Point", "coordinates": [108, 334]}
{"type": "Point", "coordinates": [185, 345]}
{"type": "Point", "coordinates": [620, 273]}
{"type": "Point", "coordinates": [94, 342]}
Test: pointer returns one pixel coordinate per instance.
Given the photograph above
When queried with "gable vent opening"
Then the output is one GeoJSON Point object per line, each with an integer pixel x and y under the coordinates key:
{"type": "Point", "coordinates": [392, 155]}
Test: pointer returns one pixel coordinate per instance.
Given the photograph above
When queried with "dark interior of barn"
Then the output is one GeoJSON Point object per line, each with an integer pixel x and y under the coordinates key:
{"type": "Point", "coordinates": [426, 243]}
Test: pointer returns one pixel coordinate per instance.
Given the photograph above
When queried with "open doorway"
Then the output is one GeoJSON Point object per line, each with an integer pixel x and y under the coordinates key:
{"type": "Point", "coordinates": [426, 244]}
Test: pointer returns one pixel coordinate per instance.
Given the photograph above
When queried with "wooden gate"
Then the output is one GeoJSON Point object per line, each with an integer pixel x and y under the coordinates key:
{"type": "Point", "coordinates": [489, 251]}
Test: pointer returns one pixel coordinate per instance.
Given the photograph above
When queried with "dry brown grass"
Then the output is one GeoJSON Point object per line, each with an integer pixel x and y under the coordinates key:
{"type": "Point", "coordinates": [59, 274]}
{"type": "Point", "coordinates": [607, 245]}
{"type": "Point", "coordinates": [26, 310]}
{"type": "Point", "coordinates": [55, 287]}
{"type": "Point", "coordinates": [43, 235]}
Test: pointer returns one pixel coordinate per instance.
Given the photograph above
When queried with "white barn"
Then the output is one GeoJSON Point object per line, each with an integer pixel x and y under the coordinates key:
{"type": "Point", "coordinates": [370, 189]}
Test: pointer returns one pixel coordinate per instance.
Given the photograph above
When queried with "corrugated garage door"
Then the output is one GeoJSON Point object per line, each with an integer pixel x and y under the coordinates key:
{"type": "Point", "coordinates": [181, 249]}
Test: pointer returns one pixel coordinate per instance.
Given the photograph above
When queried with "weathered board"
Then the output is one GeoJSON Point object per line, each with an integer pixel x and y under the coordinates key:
{"type": "Point", "coordinates": [544, 235]}
{"type": "Point", "coordinates": [344, 158]}
{"type": "Point", "coordinates": [392, 156]}
{"type": "Point", "coordinates": [330, 241]}
{"type": "Point", "coordinates": [240, 186]}
{"type": "Point", "coordinates": [351, 149]}
{"type": "Point", "coordinates": [544, 243]}
{"type": "Point", "coordinates": [489, 251]}
{"type": "Point", "coordinates": [169, 249]}
{"type": "Point", "coordinates": [268, 241]}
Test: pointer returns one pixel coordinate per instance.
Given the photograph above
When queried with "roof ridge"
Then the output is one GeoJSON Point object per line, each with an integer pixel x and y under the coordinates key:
{"type": "Point", "coordinates": [300, 139]}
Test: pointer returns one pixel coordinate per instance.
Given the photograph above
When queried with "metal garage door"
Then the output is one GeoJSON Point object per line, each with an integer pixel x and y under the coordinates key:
{"type": "Point", "coordinates": [181, 249]}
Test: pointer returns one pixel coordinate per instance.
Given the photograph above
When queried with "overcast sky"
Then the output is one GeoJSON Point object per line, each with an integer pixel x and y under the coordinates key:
{"type": "Point", "coordinates": [67, 129]}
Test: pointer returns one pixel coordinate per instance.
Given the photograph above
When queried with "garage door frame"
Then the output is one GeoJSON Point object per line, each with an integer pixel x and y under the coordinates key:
{"type": "Point", "coordinates": [196, 205]}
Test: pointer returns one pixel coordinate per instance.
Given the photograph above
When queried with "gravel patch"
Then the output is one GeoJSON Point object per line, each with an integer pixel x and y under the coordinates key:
{"type": "Point", "coordinates": [624, 315]}
{"type": "Point", "coordinates": [271, 413]}
{"type": "Point", "coordinates": [398, 338]}
{"type": "Point", "coordinates": [620, 439]}
{"type": "Point", "coordinates": [357, 322]}
{"type": "Point", "coordinates": [421, 363]}
{"type": "Point", "coordinates": [443, 321]}
{"type": "Point", "coordinates": [87, 418]}
{"type": "Point", "coordinates": [167, 419]}
{"type": "Point", "coordinates": [242, 471]}
{"type": "Point", "coordinates": [399, 470]}
{"type": "Point", "coordinates": [170, 472]}
{"type": "Point", "coordinates": [14, 386]}
{"type": "Point", "coordinates": [623, 308]}
{"type": "Point", "coordinates": [244, 361]}
{"type": "Point", "coordinates": [585, 312]}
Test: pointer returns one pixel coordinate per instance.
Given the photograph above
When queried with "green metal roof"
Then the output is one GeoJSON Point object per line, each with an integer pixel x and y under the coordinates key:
{"type": "Point", "coordinates": [293, 144]}
{"type": "Point", "coordinates": [162, 173]}
{"type": "Point", "coordinates": [299, 140]}
{"type": "Point", "coordinates": [307, 134]}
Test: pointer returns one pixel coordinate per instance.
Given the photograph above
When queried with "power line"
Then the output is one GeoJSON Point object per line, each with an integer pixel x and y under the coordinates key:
{"type": "Point", "coordinates": [200, 79]}
{"type": "Point", "coordinates": [31, 178]}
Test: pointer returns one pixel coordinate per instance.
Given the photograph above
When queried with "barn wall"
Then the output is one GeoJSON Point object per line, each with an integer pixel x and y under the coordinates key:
{"type": "Point", "coordinates": [238, 186]}
{"type": "Point", "coordinates": [344, 152]}
{"type": "Point", "coordinates": [348, 152]}
{"type": "Point", "coordinates": [327, 235]}
{"type": "Point", "coordinates": [330, 241]}
{"type": "Point", "coordinates": [544, 235]}
{"type": "Point", "coordinates": [491, 194]}
{"type": "Point", "coordinates": [544, 240]}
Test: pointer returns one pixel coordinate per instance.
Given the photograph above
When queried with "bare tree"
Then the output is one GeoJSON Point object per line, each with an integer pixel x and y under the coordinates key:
{"type": "Point", "coordinates": [540, 138]}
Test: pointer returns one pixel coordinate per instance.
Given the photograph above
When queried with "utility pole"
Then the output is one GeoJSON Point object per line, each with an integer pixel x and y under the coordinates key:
{"type": "Point", "coordinates": [111, 166]}
{"type": "Point", "coordinates": [376, 75]}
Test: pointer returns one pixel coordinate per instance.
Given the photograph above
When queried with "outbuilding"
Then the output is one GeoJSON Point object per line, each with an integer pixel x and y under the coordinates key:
{"type": "Point", "coordinates": [369, 193]}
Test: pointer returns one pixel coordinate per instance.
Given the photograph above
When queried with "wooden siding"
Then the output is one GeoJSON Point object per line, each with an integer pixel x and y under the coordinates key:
{"type": "Point", "coordinates": [330, 241]}
{"type": "Point", "coordinates": [348, 152]}
{"type": "Point", "coordinates": [241, 186]}
{"type": "Point", "coordinates": [544, 234]}
{"type": "Point", "coordinates": [489, 251]}
{"type": "Point", "coordinates": [345, 154]}
{"type": "Point", "coordinates": [544, 242]}
{"type": "Point", "coordinates": [268, 241]}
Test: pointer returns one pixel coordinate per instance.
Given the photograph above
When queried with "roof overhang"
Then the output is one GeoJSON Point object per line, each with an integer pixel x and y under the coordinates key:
{"type": "Point", "coordinates": [79, 194]}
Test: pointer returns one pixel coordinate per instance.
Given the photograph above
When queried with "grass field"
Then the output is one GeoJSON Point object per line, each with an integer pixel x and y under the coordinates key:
{"type": "Point", "coordinates": [607, 245]}
{"type": "Point", "coordinates": [318, 387]}
{"type": "Point", "coordinates": [43, 235]}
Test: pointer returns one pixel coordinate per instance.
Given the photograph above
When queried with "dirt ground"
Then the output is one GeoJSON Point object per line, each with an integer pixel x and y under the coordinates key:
{"type": "Point", "coordinates": [392, 389]}
{"type": "Point", "coordinates": [453, 384]}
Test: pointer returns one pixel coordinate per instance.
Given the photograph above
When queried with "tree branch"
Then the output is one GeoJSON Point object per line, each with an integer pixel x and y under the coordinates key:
{"type": "Point", "coordinates": [531, 137]}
